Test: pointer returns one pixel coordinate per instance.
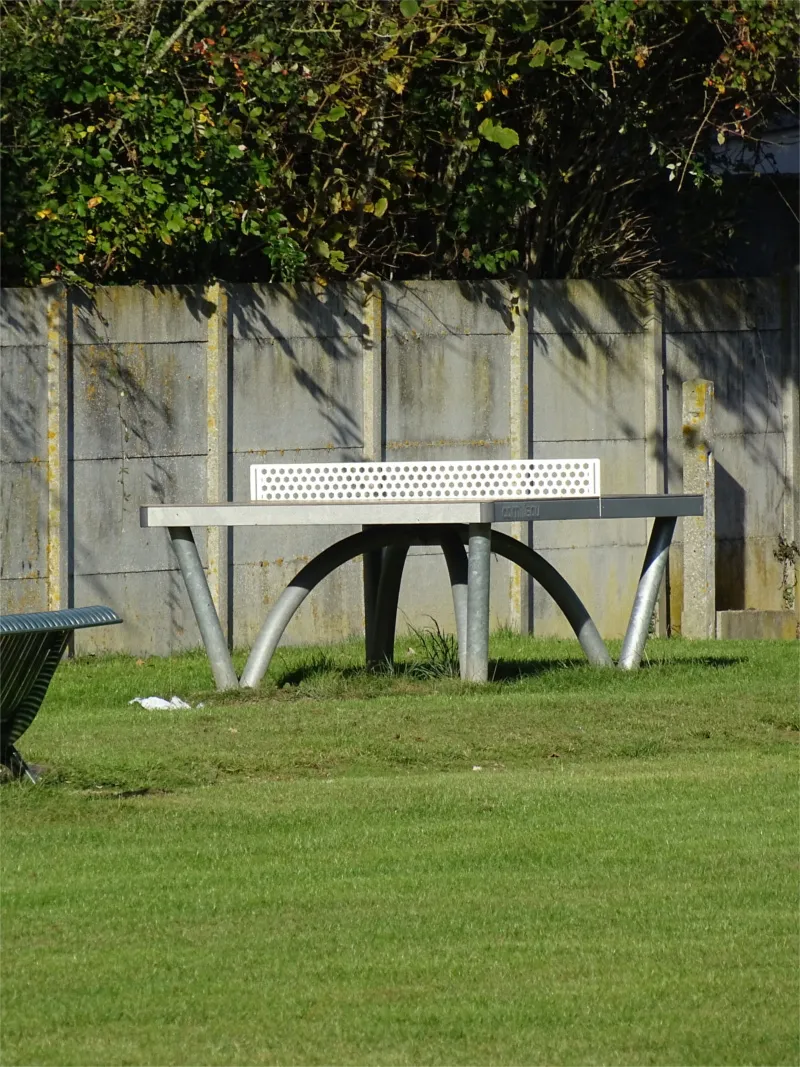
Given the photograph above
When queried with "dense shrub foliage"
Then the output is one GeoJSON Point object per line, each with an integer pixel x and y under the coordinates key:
{"type": "Point", "coordinates": [253, 139]}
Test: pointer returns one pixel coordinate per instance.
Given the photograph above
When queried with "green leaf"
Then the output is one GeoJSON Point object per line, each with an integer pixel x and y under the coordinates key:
{"type": "Point", "coordinates": [557, 45]}
{"type": "Point", "coordinates": [335, 114]}
{"type": "Point", "coordinates": [502, 135]}
{"type": "Point", "coordinates": [575, 59]}
{"type": "Point", "coordinates": [381, 206]}
{"type": "Point", "coordinates": [322, 248]}
{"type": "Point", "coordinates": [409, 8]}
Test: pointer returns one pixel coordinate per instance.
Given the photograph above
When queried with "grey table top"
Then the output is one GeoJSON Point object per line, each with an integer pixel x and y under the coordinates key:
{"type": "Point", "coordinates": [311, 513]}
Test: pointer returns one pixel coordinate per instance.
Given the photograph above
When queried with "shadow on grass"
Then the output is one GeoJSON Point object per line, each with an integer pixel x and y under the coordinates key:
{"type": "Point", "coordinates": [718, 662]}
{"type": "Point", "coordinates": [500, 670]}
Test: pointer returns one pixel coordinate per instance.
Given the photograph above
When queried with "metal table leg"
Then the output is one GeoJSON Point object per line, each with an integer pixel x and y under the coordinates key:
{"type": "Point", "coordinates": [372, 564]}
{"type": "Point", "coordinates": [204, 611]}
{"type": "Point", "coordinates": [480, 544]}
{"type": "Point", "coordinates": [394, 558]}
{"type": "Point", "coordinates": [458, 570]}
{"type": "Point", "coordinates": [655, 563]}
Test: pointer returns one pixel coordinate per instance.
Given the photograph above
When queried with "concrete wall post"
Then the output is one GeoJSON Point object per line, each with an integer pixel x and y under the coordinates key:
{"type": "Point", "coordinates": [57, 450]}
{"type": "Point", "coordinates": [217, 480]}
{"type": "Point", "coordinates": [698, 617]}
{"type": "Point", "coordinates": [374, 439]}
{"type": "Point", "coordinates": [655, 471]}
{"type": "Point", "coordinates": [519, 440]}
{"type": "Point", "coordinates": [791, 437]}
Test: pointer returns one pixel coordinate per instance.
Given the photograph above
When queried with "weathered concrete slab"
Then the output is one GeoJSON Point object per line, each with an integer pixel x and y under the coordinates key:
{"type": "Point", "coordinates": [440, 394]}
{"type": "Point", "coordinates": [108, 494]}
{"type": "Point", "coordinates": [20, 595]}
{"type": "Point", "coordinates": [300, 394]}
{"type": "Point", "coordinates": [270, 312]}
{"type": "Point", "coordinates": [331, 612]}
{"type": "Point", "coordinates": [23, 317]}
{"type": "Point", "coordinates": [757, 625]}
{"type": "Point", "coordinates": [288, 547]}
{"type": "Point", "coordinates": [748, 575]}
{"type": "Point", "coordinates": [23, 520]}
{"type": "Point", "coordinates": [139, 400]}
{"type": "Point", "coordinates": [473, 448]}
{"type": "Point", "coordinates": [745, 369]}
{"type": "Point", "coordinates": [751, 486]}
{"type": "Point", "coordinates": [137, 314]}
{"type": "Point", "coordinates": [621, 471]}
{"type": "Point", "coordinates": [23, 393]}
{"type": "Point", "coordinates": [444, 309]}
{"type": "Point", "coordinates": [604, 578]}
{"type": "Point", "coordinates": [721, 304]}
{"type": "Point", "coordinates": [577, 307]}
{"type": "Point", "coordinates": [588, 387]}
{"type": "Point", "coordinates": [158, 618]}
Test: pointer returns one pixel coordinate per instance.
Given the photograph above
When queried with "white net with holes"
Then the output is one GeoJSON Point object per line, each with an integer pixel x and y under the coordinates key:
{"type": "Point", "coordinates": [439, 480]}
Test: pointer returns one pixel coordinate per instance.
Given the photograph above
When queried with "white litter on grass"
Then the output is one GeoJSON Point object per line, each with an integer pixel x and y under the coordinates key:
{"type": "Point", "coordinates": [159, 704]}
{"type": "Point", "coordinates": [477, 768]}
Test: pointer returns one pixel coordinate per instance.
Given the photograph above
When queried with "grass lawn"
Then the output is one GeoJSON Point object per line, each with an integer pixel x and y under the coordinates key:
{"type": "Point", "coordinates": [569, 866]}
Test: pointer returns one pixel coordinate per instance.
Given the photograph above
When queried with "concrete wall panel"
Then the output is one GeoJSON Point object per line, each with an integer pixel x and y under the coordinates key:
{"type": "Point", "coordinates": [444, 395]}
{"type": "Point", "coordinates": [139, 400]}
{"type": "Point", "coordinates": [300, 394]}
{"type": "Point", "coordinates": [331, 612]}
{"type": "Point", "coordinates": [23, 414]}
{"type": "Point", "coordinates": [158, 618]}
{"type": "Point", "coordinates": [576, 307]}
{"type": "Point", "coordinates": [588, 387]}
{"type": "Point", "coordinates": [718, 305]}
{"type": "Point", "coordinates": [604, 578]}
{"type": "Point", "coordinates": [746, 371]}
{"type": "Point", "coordinates": [141, 315]}
{"type": "Point", "coordinates": [23, 316]}
{"type": "Point", "coordinates": [272, 312]}
{"type": "Point", "coordinates": [108, 494]}
{"type": "Point", "coordinates": [20, 595]}
{"type": "Point", "coordinates": [23, 520]}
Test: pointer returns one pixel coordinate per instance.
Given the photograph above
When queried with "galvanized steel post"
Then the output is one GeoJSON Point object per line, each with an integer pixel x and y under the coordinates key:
{"type": "Point", "coordinates": [480, 555]}
{"type": "Point", "coordinates": [204, 611]}
{"type": "Point", "coordinates": [655, 564]}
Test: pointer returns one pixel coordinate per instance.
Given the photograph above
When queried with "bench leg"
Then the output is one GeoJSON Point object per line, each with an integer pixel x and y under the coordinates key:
{"type": "Point", "coordinates": [480, 554]}
{"type": "Point", "coordinates": [203, 606]}
{"type": "Point", "coordinates": [17, 766]}
{"type": "Point", "coordinates": [655, 563]}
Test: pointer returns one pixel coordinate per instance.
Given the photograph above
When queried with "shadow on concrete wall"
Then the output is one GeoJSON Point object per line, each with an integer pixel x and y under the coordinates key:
{"type": "Point", "coordinates": [324, 314]}
{"type": "Point", "coordinates": [730, 504]}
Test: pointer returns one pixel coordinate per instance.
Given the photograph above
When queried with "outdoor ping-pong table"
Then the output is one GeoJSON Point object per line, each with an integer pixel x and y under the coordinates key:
{"type": "Point", "coordinates": [453, 504]}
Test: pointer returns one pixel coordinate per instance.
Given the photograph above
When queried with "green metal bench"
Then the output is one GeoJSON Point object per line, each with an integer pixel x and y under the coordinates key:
{"type": "Point", "coordinates": [31, 646]}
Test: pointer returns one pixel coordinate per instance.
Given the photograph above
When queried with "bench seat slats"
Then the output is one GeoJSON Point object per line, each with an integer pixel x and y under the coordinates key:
{"type": "Point", "coordinates": [68, 619]}
{"type": "Point", "coordinates": [31, 647]}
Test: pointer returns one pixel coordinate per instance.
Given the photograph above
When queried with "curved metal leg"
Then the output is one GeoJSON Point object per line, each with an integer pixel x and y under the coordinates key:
{"type": "Point", "coordinates": [457, 568]}
{"type": "Point", "coordinates": [204, 611]}
{"type": "Point", "coordinates": [559, 589]}
{"type": "Point", "coordinates": [312, 574]}
{"type": "Point", "coordinates": [385, 621]}
{"type": "Point", "coordinates": [655, 563]}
